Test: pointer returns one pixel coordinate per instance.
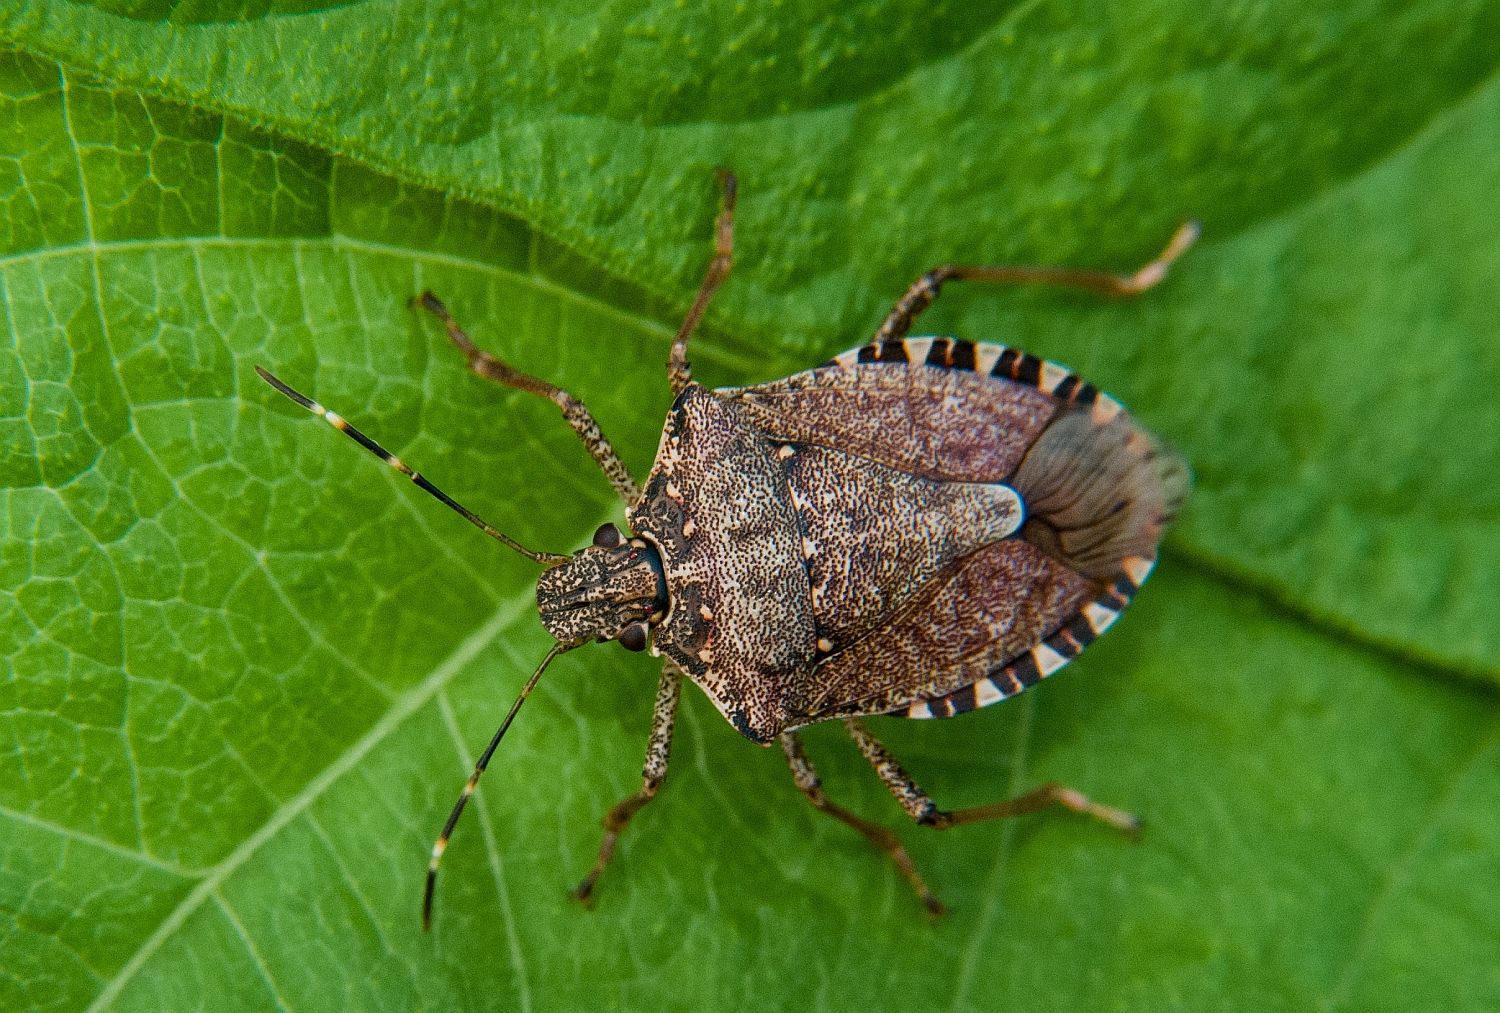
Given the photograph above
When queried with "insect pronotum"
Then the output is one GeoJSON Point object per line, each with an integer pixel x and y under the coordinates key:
{"type": "Point", "coordinates": [918, 527]}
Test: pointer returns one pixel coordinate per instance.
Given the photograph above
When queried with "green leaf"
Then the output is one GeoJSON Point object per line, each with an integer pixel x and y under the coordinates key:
{"type": "Point", "coordinates": [246, 668]}
{"type": "Point", "coordinates": [876, 141]}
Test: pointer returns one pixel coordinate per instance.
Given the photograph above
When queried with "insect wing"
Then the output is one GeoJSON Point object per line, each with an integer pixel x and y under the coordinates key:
{"type": "Point", "coordinates": [1011, 612]}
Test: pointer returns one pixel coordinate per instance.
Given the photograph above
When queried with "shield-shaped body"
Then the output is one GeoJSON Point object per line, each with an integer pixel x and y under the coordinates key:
{"type": "Point", "coordinates": [917, 527]}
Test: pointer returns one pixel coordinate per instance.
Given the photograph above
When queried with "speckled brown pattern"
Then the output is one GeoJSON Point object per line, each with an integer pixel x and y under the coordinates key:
{"type": "Point", "coordinates": [978, 613]}
{"type": "Point", "coordinates": [930, 421]}
{"type": "Point", "coordinates": [873, 535]}
{"type": "Point", "coordinates": [849, 540]}
{"type": "Point", "coordinates": [739, 617]}
{"type": "Point", "coordinates": [920, 526]}
{"type": "Point", "coordinates": [598, 591]}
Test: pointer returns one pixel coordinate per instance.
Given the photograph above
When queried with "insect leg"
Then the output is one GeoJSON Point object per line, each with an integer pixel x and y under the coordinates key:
{"type": "Point", "coordinates": [925, 289]}
{"type": "Point", "coordinates": [809, 784]}
{"type": "Point", "coordinates": [494, 368]}
{"type": "Point", "coordinates": [925, 811]}
{"type": "Point", "coordinates": [663, 717]}
{"type": "Point", "coordinates": [679, 372]}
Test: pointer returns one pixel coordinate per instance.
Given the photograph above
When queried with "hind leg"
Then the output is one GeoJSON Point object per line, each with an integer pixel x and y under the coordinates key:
{"type": "Point", "coordinates": [925, 811]}
{"type": "Point", "coordinates": [925, 289]}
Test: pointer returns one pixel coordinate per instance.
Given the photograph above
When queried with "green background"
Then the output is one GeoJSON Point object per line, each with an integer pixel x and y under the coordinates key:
{"type": "Point", "coordinates": [245, 668]}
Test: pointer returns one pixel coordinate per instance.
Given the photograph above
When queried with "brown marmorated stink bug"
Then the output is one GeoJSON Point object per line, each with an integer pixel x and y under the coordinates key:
{"type": "Point", "coordinates": [918, 527]}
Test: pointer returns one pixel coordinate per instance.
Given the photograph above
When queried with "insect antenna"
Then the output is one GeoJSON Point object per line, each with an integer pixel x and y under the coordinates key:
{"type": "Point", "coordinates": [441, 844]}
{"type": "Point", "coordinates": [342, 425]}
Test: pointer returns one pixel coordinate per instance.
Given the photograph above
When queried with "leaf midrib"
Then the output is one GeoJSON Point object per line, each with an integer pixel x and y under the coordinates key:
{"type": "Point", "coordinates": [510, 609]}
{"type": "Point", "coordinates": [1435, 123]}
{"type": "Point", "coordinates": [402, 707]}
{"type": "Point", "coordinates": [1222, 570]}
{"type": "Point", "coordinates": [1281, 600]}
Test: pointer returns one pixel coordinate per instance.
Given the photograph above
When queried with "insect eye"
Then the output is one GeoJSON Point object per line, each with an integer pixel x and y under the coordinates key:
{"type": "Point", "coordinates": [633, 637]}
{"type": "Point", "coordinates": [608, 536]}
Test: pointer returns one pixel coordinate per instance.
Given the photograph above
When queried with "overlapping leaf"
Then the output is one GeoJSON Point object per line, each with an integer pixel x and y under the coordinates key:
{"type": "Point", "coordinates": [877, 141]}
{"type": "Point", "coordinates": [245, 667]}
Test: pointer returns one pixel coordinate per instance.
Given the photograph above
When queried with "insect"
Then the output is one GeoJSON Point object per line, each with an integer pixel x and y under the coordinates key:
{"type": "Point", "coordinates": [918, 527]}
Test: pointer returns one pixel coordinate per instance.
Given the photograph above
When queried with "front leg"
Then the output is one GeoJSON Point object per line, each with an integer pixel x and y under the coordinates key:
{"type": "Point", "coordinates": [578, 416]}
{"type": "Point", "coordinates": [658, 747]}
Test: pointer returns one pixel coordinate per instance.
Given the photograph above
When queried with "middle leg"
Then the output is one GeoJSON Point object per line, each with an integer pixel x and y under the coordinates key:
{"type": "Point", "coordinates": [679, 373]}
{"type": "Point", "coordinates": [811, 786]}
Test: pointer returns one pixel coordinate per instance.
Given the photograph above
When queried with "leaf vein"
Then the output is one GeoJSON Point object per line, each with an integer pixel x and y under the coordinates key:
{"type": "Point", "coordinates": [402, 708]}
{"type": "Point", "coordinates": [250, 948]}
{"type": "Point", "coordinates": [1399, 873]}
{"type": "Point", "coordinates": [1430, 128]}
{"type": "Point", "coordinates": [349, 879]}
{"type": "Point", "coordinates": [132, 763]}
{"type": "Point", "coordinates": [102, 843]}
{"type": "Point", "coordinates": [497, 868]}
{"type": "Point", "coordinates": [981, 934]}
